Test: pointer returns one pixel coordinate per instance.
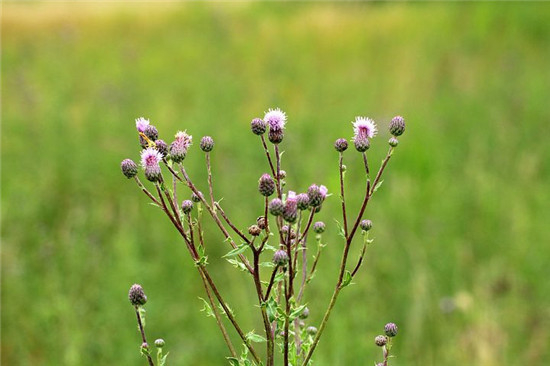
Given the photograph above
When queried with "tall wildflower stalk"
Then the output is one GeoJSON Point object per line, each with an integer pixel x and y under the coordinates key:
{"type": "Point", "coordinates": [279, 251]}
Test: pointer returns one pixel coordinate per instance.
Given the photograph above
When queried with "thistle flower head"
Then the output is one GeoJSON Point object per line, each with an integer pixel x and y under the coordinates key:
{"type": "Point", "coordinates": [187, 206]}
{"type": "Point", "coordinates": [150, 159]}
{"type": "Point", "coordinates": [276, 207]}
{"type": "Point", "coordinates": [159, 343]}
{"type": "Point", "coordinates": [162, 147]}
{"type": "Point", "coordinates": [311, 330]}
{"type": "Point", "coordinates": [290, 210]}
{"type": "Point", "coordinates": [365, 225]}
{"type": "Point", "coordinates": [178, 148]}
{"type": "Point", "coordinates": [397, 126]}
{"type": "Point", "coordinates": [303, 201]}
{"type": "Point", "coordinates": [304, 314]}
{"type": "Point", "coordinates": [316, 195]}
{"type": "Point", "coordinates": [258, 126]}
{"type": "Point", "coordinates": [393, 141]}
{"type": "Point", "coordinates": [141, 124]}
{"type": "Point", "coordinates": [276, 119]}
{"type": "Point", "coordinates": [341, 145]}
{"type": "Point", "coordinates": [207, 144]}
{"type": "Point", "coordinates": [197, 198]}
{"type": "Point", "coordinates": [390, 329]}
{"type": "Point", "coordinates": [136, 295]}
{"type": "Point", "coordinates": [280, 258]}
{"type": "Point", "coordinates": [319, 227]}
{"type": "Point", "coordinates": [266, 185]}
{"type": "Point", "coordinates": [151, 132]}
{"type": "Point", "coordinates": [254, 230]}
{"type": "Point", "coordinates": [129, 168]}
{"type": "Point", "coordinates": [381, 340]}
{"type": "Point", "coordinates": [364, 126]}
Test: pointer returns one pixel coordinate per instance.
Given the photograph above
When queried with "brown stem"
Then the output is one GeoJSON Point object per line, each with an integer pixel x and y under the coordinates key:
{"type": "Point", "coordinates": [270, 285]}
{"type": "Point", "coordinates": [344, 216]}
{"type": "Point", "coordinates": [142, 331]}
{"type": "Point", "coordinates": [149, 194]}
{"type": "Point", "coordinates": [226, 219]}
{"type": "Point", "coordinates": [210, 187]}
{"type": "Point", "coordinates": [275, 176]}
{"type": "Point", "coordinates": [259, 292]}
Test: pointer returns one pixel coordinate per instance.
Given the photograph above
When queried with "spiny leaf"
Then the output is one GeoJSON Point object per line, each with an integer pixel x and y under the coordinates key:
{"type": "Point", "coordinates": [207, 309]}
{"type": "Point", "coordinates": [251, 336]}
{"type": "Point", "coordinates": [238, 250]}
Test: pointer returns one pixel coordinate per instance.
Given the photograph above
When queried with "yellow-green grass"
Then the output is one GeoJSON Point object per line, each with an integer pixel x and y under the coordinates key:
{"type": "Point", "coordinates": [461, 218]}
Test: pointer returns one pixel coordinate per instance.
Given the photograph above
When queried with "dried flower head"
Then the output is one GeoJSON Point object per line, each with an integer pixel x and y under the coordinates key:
{"type": "Point", "coordinates": [187, 206]}
{"type": "Point", "coordinates": [381, 340]}
{"type": "Point", "coordinates": [260, 221]}
{"type": "Point", "coordinates": [397, 126]}
{"type": "Point", "coordinates": [276, 207]}
{"type": "Point", "coordinates": [280, 258]}
{"type": "Point", "coordinates": [136, 295]}
{"type": "Point", "coordinates": [150, 159]}
{"type": "Point", "coordinates": [129, 168]}
{"type": "Point", "coordinates": [207, 144]}
{"type": "Point", "coordinates": [254, 230]}
{"type": "Point", "coordinates": [341, 145]}
{"type": "Point", "coordinates": [178, 148]}
{"type": "Point", "coordinates": [290, 210]}
{"type": "Point", "coordinates": [390, 329]}
{"type": "Point", "coordinates": [266, 185]}
{"type": "Point", "coordinates": [141, 124]}
{"type": "Point", "coordinates": [258, 126]}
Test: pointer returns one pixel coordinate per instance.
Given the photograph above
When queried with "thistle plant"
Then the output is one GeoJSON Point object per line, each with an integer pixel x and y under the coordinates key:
{"type": "Point", "coordinates": [275, 250]}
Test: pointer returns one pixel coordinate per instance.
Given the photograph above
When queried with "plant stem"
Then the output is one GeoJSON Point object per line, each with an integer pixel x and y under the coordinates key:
{"type": "Point", "coordinates": [275, 176]}
{"type": "Point", "coordinates": [142, 331]}
{"type": "Point", "coordinates": [344, 216]}
{"type": "Point", "coordinates": [235, 229]}
{"type": "Point", "coordinates": [210, 187]}
{"type": "Point", "coordinates": [267, 327]}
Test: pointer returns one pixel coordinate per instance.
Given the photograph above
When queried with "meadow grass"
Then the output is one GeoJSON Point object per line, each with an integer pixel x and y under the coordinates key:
{"type": "Point", "coordinates": [461, 219]}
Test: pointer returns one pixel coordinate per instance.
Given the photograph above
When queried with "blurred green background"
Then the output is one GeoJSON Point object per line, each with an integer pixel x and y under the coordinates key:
{"type": "Point", "coordinates": [461, 258]}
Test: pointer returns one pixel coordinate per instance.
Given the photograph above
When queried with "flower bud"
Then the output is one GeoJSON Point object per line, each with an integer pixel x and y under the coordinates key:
{"type": "Point", "coordinates": [266, 185]}
{"type": "Point", "coordinates": [390, 329]}
{"type": "Point", "coordinates": [258, 126]}
{"type": "Point", "coordinates": [303, 201]}
{"type": "Point", "coordinates": [196, 198]}
{"type": "Point", "coordinates": [280, 258]}
{"type": "Point", "coordinates": [136, 295]}
{"type": "Point", "coordinates": [397, 126]}
{"type": "Point", "coordinates": [129, 168]}
{"type": "Point", "coordinates": [276, 207]}
{"type": "Point", "coordinates": [254, 230]}
{"type": "Point", "coordinates": [381, 340]}
{"type": "Point", "coordinates": [361, 143]}
{"type": "Point", "coordinates": [316, 195]}
{"type": "Point", "coordinates": [144, 346]}
{"type": "Point", "coordinates": [206, 144]}
{"type": "Point", "coordinates": [341, 145]}
{"type": "Point", "coordinates": [311, 330]}
{"type": "Point", "coordinates": [162, 147]}
{"type": "Point", "coordinates": [151, 132]}
{"type": "Point", "coordinates": [304, 314]}
{"type": "Point", "coordinates": [187, 206]}
{"type": "Point", "coordinates": [159, 343]}
{"type": "Point", "coordinates": [319, 227]}
{"type": "Point", "coordinates": [393, 142]}
{"type": "Point", "coordinates": [282, 174]}
{"type": "Point", "coordinates": [275, 136]}
{"type": "Point", "coordinates": [260, 221]}
{"type": "Point", "coordinates": [290, 211]}
{"type": "Point", "coordinates": [365, 225]}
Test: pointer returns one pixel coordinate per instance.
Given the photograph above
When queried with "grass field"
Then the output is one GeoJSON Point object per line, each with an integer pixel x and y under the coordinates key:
{"type": "Point", "coordinates": [461, 259]}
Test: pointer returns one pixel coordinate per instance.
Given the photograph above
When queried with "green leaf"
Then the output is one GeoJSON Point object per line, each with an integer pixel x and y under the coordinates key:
{"type": "Point", "coordinates": [378, 185]}
{"type": "Point", "coordinates": [162, 361]}
{"type": "Point", "coordinates": [296, 312]}
{"type": "Point", "coordinates": [237, 264]}
{"type": "Point", "coordinates": [251, 336]}
{"type": "Point", "coordinates": [341, 231]}
{"type": "Point", "coordinates": [347, 279]}
{"type": "Point", "coordinates": [233, 361]}
{"type": "Point", "coordinates": [142, 312]}
{"type": "Point", "coordinates": [267, 264]}
{"type": "Point", "coordinates": [238, 250]}
{"type": "Point", "coordinates": [271, 309]}
{"type": "Point", "coordinates": [207, 309]}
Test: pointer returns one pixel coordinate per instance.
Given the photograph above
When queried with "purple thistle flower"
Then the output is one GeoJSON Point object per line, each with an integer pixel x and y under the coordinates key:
{"type": "Point", "coordinates": [162, 147]}
{"type": "Point", "coordinates": [178, 148]}
{"type": "Point", "coordinates": [276, 207]}
{"type": "Point", "coordinates": [141, 124]}
{"type": "Point", "coordinates": [129, 168]}
{"type": "Point", "coordinates": [151, 132]}
{"type": "Point", "coordinates": [280, 258]}
{"type": "Point", "coordinates": [364, 127]}
{"type": "Point", "coordinates": [316, 195]}
{"type": "Point", "coordinates": [390, 329]}
{"type": "Point", "coordinates": [290, 210]}
{"type": "Point", "coordinates": [276, 119]}
{"type": "Point", "coordinates": [150, 159]}
{"type": "Point", "coordinates": [397, 126]}
{"type": "Point", "coordinates": [258, 126]}
{"type": "Point", "coordinates": [136, 295]}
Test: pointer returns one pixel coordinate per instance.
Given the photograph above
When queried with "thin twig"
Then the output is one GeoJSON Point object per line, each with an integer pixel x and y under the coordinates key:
{"type": "Point", "coordinates": [143, 338]}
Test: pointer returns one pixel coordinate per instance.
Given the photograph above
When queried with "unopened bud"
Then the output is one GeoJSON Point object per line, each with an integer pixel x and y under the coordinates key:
{"type": "Point", "coordinates": [206, 144]}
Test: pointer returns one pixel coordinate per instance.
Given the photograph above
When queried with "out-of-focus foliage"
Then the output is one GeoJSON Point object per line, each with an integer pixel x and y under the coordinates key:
{"type": "Point", "coordinates": [461, 256]}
